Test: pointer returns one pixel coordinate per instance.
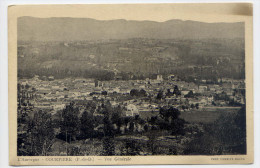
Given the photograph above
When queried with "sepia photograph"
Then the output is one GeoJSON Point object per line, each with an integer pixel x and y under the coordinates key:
{"type": "Point", "coordinates": [120, 88]}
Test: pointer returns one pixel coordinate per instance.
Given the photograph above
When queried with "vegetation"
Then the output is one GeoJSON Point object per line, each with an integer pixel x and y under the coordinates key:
{"type": "Point", "coordinates": [138, 93]}
{"type": "Point", "coordinates": [98, 128]}
{"type": "Point", "coordinates": [226, 56]}
{"type": "Point", "coordinates": [71, 126]}
{"type": "Point", "coordinates": [39, 136]}
{"type": "Point", "coordinates": [227, 135]}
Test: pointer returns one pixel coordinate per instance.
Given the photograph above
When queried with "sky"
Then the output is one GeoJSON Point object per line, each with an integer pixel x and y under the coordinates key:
{"type": "Point", "coordinates": [155, 12]}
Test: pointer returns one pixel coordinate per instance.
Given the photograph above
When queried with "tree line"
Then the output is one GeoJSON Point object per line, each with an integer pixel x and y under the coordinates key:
{"type": "Point", "coordinates": [38, 132]}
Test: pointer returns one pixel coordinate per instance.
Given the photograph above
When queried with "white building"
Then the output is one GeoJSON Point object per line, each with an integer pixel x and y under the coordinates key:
{"type": "Point", "coordinates": [159, 78]}
{"type": "Point", "coordinates": [131, 110]}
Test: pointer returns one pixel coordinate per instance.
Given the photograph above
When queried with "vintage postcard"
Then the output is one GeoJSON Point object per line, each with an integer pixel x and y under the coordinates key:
{"type": "Point", "coordinates": [123, 84]}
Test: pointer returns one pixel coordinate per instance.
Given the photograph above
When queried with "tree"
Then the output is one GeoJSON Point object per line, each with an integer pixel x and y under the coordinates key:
{"type": "Point", "coordinates": [87, 124]}
{"type": "Point", "coordinates": [169, 93]}
{"type": "Point", "coordinates": [146, 127]}
{"type": "Point", "coordinates": [189, 95]}
{"type": "Point", "coordinates": [104, 93]}
{"type": "Point", "coordinates": [134, 92]}
{"type": "Point", "coordinates": [151, 142]}
{"type": "Point", "coordinates": [132, 148]}
{"type": "Point", "coordinates": [231, 131]}
{"type": "Point", "coordinates": [240, 122]}
{"type": "Point", "coordinates": [176, 91]}
{"type": "Point", "coordinates": [74, 151]}
{"type": "Point", "coordinates": [70, 122]}
{"type": "Point", "coordinates": [168, 113]}
{"type": "Point", "coordinates": [107, 121]}
{"type": "Point", "coordinates": [108, 147]}
{"type": "Point", "coordinates": [23, 132]}
{"type": "Point", "coordinates": [159, 95]}
{"type": "Point", "coordinates": [40, 134]}
{"type": "Point", "coordinates": [197, 105]}
{"type": "Point", "coordinates": [27, 86]}
{"type": "Point", "coordinates": [142, 93]}
{"type": "Point", "coordinates": [192, 106]}
{"type": "Point", "coordinates": [132, 126]}
{"type": "Point", "coordinates": [117, 118]}
{"type": "Point", "coordinates": [227, 135]}
{"type": "Point", "coordinates": [177, 126]}
{"type": "Point", "coordinates": [172, 120]}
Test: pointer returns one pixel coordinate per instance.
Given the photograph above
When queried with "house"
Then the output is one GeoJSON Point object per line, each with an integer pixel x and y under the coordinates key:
{"type": "Point", "coordinates": [171, 77]}
{"type": "Point", "coordinates": [131, 110]}
{"type": "Point", "coordinates": [159, 78]}
{"type": "Point", "coordinates": [184, 92]}
{"type": "Point", "coordinates": [203, 88]}
{"type": "Point", "coordinates": [58, 106]}
{"type": "Point", "coordinates": [51, 78]}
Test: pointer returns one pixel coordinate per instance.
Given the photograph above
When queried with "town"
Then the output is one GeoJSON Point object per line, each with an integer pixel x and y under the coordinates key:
{"type": "Point", "coordinates": [130, 101]}
{"type": "Point", "coordinates": [137, 96]}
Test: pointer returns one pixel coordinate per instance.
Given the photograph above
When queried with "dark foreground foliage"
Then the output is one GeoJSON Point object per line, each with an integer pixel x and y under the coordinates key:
{"type": "Point", "coordinates": [75, 133]}
{"type": "Point", "coordinates": [227, 135]}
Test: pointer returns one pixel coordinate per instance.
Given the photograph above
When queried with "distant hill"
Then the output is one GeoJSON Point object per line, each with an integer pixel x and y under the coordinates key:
{"type": "Point", "coordinates": [73, 29]}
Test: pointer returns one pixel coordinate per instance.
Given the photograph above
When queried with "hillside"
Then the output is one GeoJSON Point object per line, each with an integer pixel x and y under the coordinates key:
{"type": "Point", "coordinates": [78, 29]}
{"type": "Point", "coordinates": [209, 58]}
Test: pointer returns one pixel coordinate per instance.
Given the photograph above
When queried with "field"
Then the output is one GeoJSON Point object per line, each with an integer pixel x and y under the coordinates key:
{"type": "Point", "coordinates": [206, 115]}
